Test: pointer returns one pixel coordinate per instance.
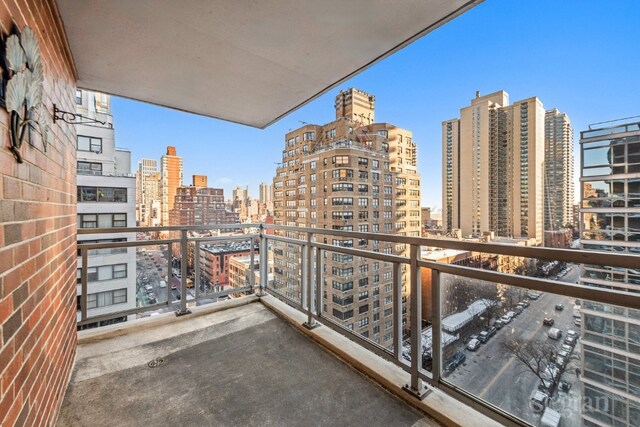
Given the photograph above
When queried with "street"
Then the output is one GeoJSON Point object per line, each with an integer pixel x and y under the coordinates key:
{"type": "Point", "coordinates": [491, 374]}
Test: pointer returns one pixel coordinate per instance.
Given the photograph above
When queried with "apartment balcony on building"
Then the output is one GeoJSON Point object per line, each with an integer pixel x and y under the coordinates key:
{"type": "Point", "coordinates": [106, 323]}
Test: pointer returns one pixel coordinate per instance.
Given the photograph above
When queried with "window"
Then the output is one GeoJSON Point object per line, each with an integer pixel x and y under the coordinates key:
{"type": "Point", "coordinates": [102, 194]}
{"type": "Point", "coordinates": [78, 97]}
{"type": "Point", "coordinates": [103, 299]}
{"type": "Point", "coordinates": [104, 272]}
{"type": "Point", "coordinates": [89, 168]}
{"type": "Point", "coordinates": [364, 321]}
{"type": "Point", "coordinates": [88, 143]}
{"type": "Point", "coordinates": [340, 160]}
{"type": "Point", "coordinates": [342, 201]}
{"type": "Point", "coordinates": [342, 173]}
{"type": "Point", "coordinates": [102, 220]}
{"type": "Point", "coordinates": [309, 136]}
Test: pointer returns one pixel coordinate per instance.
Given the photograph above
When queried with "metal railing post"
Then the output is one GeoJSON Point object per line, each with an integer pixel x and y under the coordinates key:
{"type": "Point", "coordinates": [319, 284]}
{"type": "Point", "coordinates": [264, 263]}
{"type": "Point", "coordinates": [416, 388]}
{"type": "Point", "coordinates": [397, 311]}
{"type": "Point", "coordinates": [252, 260]}
{"type": "Point", "coordinates": [183, 273]}
{"type": "Point", "coordinates": [169, 273]}
{"type": "Point", "coordinates": [196, 265]}
{"type": "Point", "coordinates": [84, 278]}
{"type": "Point", "coordinates": [436, 326]}
{"type": "Point", "coordinates": [307, 281]}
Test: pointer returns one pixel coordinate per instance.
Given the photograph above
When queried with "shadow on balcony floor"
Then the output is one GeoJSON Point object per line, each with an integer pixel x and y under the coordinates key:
{"type": "Point", "coordinates": [238, 367]}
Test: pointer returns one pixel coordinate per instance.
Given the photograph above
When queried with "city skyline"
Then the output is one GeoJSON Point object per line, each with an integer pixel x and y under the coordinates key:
{"type": "Point", "coordinates": [416, 98]}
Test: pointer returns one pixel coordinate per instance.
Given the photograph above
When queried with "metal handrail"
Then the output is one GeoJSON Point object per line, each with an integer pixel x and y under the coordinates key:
{"type": "Point", "coordinates": [311, 287]}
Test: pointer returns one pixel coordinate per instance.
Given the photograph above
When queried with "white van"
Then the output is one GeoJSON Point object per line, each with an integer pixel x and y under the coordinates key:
{"type": "Point", "coordinates": [555, 333]}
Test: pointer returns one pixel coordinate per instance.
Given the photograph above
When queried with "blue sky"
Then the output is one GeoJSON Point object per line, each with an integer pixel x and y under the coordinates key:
{"type": "Point", "coordinates": [578, 56]}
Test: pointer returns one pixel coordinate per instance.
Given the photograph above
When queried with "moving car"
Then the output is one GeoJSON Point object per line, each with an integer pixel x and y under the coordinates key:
{"type": "Point", "coordinates": [559, 307]}
{"type": "Point", "coordinates": [163, 284]}
{"type": "Point", "coordinates": [473, 345]}
{"type": "Point", "coordinates": [548, 321]}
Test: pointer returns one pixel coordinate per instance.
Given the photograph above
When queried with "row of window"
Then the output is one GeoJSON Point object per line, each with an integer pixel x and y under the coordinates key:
{"type": "Point", "coordinates": [102, 194]}
{"type": "Point", "coordinates": [110, 220]}
{"type": "Point", "coordinates": [104, 272]}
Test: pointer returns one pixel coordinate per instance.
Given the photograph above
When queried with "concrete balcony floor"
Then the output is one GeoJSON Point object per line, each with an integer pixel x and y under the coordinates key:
{"type": "Point", "coordinates": [242, 366]}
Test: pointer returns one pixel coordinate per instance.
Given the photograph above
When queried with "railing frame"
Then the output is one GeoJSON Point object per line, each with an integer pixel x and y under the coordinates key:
{"type": "Point", "coordinates": [312, 284]}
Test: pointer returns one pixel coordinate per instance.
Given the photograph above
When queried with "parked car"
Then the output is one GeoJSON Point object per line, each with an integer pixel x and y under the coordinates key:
{"type": "Point", "coordinates": [511, 314]}
{"type": "Point", "coordinates": [570, 341]}
{"type": "Point", "coordinates": [539, 401]}
{"type": "Point", "coordinates": [564, 354]}
{"type": "Point", "coordinates": [519, 309]}
{"type": "Point", "coordinates": [505, 319]}
{"type": "Point", "coordinates": [555, 333]}
{"type": "Point", "coordinates": [526, 303]}
{"type": "Point", "coordinates": [473, 345]}
{"type": "Point", "coordinates": [492, 330]}
{"type": "Point", "coordinates": [534, 296]}
{"type": "Point", "coordinates": [457, 359]}
{"type": "Point", "coordinates": [498, 324]}
{"type": "Point", "coordinates": [148, 288]}
{"type": "Point", "coordinates": [572, 333]}
{"type": "Point", "coordinates": [521, 304]}
{"type": "Point", "coordinates": [561, 361]}
{"type": "Point", "coordinates": [545, 386]}
{"type": "Point", "coordinates": [473, 337]}
{"type": "Point", "coordinates": [567, 348]}
{"type": "Point", "coordinates": [484, 337]}
{"type": "Point", "coordinates": [163, 284]}
{"type": "Point", "coordinates": [577, 321]}
{"type": "Point", "coordinates": [559, 307]}
{"type": "Point", "coordinates": [548, 321]}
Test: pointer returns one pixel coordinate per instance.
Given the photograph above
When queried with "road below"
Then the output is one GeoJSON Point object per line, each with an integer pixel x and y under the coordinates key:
{"type": "Point", "coordinates": [506, 382]}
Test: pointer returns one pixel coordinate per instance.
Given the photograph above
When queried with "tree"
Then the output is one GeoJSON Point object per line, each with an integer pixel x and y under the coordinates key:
{"type": "Point", "coordinates": [462, 292]}
{"type": "Point", "coordinates": [535, 355]}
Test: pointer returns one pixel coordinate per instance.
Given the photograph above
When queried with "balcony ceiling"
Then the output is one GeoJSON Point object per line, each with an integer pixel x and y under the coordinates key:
{"type": "Point", "coordinates": [250, 62]}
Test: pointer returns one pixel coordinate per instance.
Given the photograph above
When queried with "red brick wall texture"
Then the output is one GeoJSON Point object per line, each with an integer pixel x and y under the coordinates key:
{"type": "Point", "coordinates": [38, 239]}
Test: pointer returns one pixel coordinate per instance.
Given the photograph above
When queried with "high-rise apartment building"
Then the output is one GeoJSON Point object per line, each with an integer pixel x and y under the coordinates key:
{"type": "Point", "coordinates": [196, 205]}
{"type": "Point", "coordinates": [558, 167]}
{"type": "Point", "coordinates": [357, 175]}
{"type": "Point", "coordinates": [265, 193]}
{"type": "Point", "coordinates": [493, 174]}
{"type": "Point", "coordinates": [199, 180]}
{"type": "Point", "coordinates": [610, 221]}
{"type": "Point", "coordinates": [106, 199]}
{"type": "Point", "coordinates": [147, 170]}
{"type": "Point", "coordinates": [171, 173]}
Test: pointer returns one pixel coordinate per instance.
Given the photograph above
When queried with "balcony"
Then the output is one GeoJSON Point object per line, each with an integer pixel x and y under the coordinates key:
{"type": "Point", "coordinates": [224, 342]}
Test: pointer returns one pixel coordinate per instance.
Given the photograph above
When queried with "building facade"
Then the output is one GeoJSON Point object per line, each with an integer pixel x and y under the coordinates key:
{"type": "Point", "coordinates": [558, 169]}
{"type": "Point", "coordinates": [196, 205]}
{"type": "Point", "coordinates": [147, 190]}
{"type": "Point", "coordinates": [610, 221]}
{"type": "Point", "coordinates": [493, 168]}
{"type": "Point", "coordinates": [171, 173]}
{"type": "Point", "coordinates": [106, 199]}
{"type": "Point", "coordinates": [351, 174]}
{"type": "Point", "coordinates": [215, 260]}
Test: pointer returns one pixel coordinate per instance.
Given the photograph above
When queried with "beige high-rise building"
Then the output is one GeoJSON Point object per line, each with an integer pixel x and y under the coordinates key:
{"type": "Point", "coordinates": [493, 174]}
{"type": "Point", "coordinates": [356, 175]}
{"type": "Point", "coordinates": [171, 171]}
{"type": "Point", "coordinates": [146, 168]}
{"type": "Point", "coordinates": [558, 164]}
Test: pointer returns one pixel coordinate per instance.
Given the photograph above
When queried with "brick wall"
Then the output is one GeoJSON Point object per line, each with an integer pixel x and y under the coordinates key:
{"type": "Point", "coordinates": [38, 240]}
